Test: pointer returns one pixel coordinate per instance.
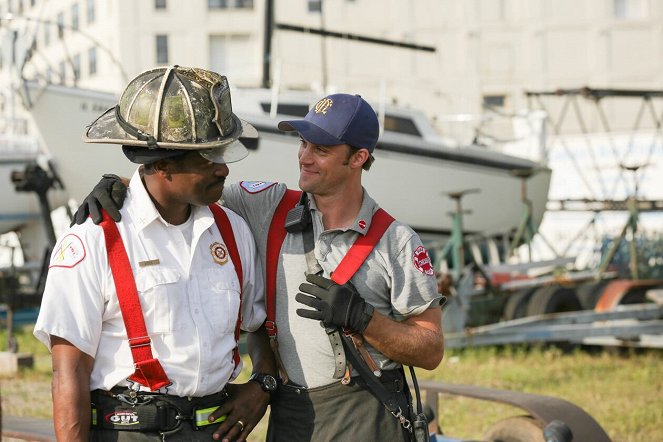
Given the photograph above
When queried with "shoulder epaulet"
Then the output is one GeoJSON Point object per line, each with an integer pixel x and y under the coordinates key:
{"type": "Point", "coordinates": [255, 186]}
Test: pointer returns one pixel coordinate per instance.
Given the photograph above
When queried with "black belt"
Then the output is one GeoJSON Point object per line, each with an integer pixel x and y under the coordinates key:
{"type": "Point", "coordinates": [123, 409]}
{"type": "Point", "coordinates": [393, 380]}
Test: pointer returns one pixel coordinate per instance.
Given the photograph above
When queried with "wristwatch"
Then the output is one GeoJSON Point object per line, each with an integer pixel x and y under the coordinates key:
{"type": "Point", "coordinates": [267, 381]}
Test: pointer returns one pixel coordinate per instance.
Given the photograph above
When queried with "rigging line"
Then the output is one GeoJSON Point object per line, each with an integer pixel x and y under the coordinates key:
{"type": "Point", "coordinates": [656, 137]}
{"type": "Point", "coordinates": [657, 132]}
{"type": "Point", "coordinates": [636, 126]}
{"type": "Point", "coordinates": [590, 146]}
{"type": "Point", "coordinates": [611, 142]}
{"type": "Point", "coordinates": [562, 142]}
{"type": "Point", "coordinates": [631, 141]}
{"type": "Point", "coordinates": [582, 232]}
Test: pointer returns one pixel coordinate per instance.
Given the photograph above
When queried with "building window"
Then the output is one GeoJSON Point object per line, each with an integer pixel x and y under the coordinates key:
{"type": "Point", "coordinates": [244, 4]}
{"type": "Point", "coordinates": [494, 101]}
{"type": "Point", "coordinates": [629, 9]}
{"type": "Point", "coordinates": [76, 66]}
{"type": "Point", "coordinates": [401, 125]}
{"type": "Point", "coordinates": [61, 25]}
{"type": "Point", "coordinates": [10, 6]}
{"type": "Point", "coordinates": [33, 2]}
{"type": "Point", "coordinates": [92, 61]}
{"type": "Point", "coordinates": [217, 4]}
{"type": "Point", "coordinates": [90, 11]}
{"type": "Point", "coordinates": [159, 4]}
{"type": "Point", "coordinates": [162, 49]}
{"type": "Point", "coordinates": [47, 34]}
{"type": "Point", "coordinates": [62, 71]}
{"type": "Point", "coordinates": [74, 17]}
{"type": "Point", "coordinates": [314, 5]}
{"type": "Point", "coordinates": [49, 75]}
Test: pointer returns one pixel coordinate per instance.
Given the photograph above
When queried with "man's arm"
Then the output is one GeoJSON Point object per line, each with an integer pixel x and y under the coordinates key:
{"type": "Point", "coordinates": [417, 341]}
{"type": "Point", "coordinates": [71, 391]}
{"type": "Point", "coordinates": [248, 402]}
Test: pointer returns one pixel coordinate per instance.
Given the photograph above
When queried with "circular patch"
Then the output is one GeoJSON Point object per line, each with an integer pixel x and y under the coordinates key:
{"type": "Point", "coordinates": [362, 224]}
{"type": "Point", "coordinates": [422, 261]}
{"type": "Point", "coordinates": [219, 253]}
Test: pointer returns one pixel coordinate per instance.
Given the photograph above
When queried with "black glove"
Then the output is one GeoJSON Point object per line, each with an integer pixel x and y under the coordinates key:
{"type": "Point", "coordinates": [109, 194]}
{"type": "Point", "coordinates": [335, 305]}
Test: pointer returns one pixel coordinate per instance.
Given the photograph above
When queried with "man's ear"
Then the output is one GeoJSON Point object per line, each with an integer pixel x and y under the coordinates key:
{"type": "Point", "coordinates": [358, 159]}
{"type": "Point", "coordinates": [163, 168]}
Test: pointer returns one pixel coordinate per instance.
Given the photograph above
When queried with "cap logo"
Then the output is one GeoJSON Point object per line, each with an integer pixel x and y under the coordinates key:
{"type": "Point", "coordinates": [323, 105]}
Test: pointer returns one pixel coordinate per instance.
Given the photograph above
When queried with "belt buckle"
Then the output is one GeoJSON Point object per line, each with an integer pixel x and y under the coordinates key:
{"type": "Point", "coordinates": [200, 417]}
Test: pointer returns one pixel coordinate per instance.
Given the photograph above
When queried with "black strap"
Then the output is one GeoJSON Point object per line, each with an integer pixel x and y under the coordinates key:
{"type": "Point", "coordinates": [374, 385]}
{"type": "Point", "coordinates": [134, 131]}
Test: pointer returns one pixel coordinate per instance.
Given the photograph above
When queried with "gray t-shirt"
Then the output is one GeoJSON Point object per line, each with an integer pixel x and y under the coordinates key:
{"type": "Point", "coordinates": [397, 278]}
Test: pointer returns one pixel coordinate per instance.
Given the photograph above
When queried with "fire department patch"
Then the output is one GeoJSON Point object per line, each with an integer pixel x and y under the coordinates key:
{"type": "Point", "coordinates": [68, 252]}
{"type": "Point", "coordinates": [422, 261]}
{"type": "Point", "coordinates": [255, 186]}
{"type": "Point", "coordinates": [362, 224]}
{"type": "Point", "coordinates": [219, 253]}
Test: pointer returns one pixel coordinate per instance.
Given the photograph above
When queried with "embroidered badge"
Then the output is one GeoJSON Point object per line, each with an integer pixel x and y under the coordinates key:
{"type": "Point", "coordinates": [68, 252]}
{"type": "Point", "coordinates": [422, 261]}
{"type": "Point", "coordinates": [255, 186]}
{"type": "Point", "coordinates": [122, 418]}
{"type": "Point", "coordinates": [322, 106]}
{"type": "Point", "coordinates": [362, 224]}
{"type": "Point", "coordinates": [219, 253]}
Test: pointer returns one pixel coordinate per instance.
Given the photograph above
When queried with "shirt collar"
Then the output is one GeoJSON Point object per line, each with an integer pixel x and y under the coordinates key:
{"type": "Point", "coordinates": [363, 220]}
{"type": "Point", "coordinates": [143, 211]}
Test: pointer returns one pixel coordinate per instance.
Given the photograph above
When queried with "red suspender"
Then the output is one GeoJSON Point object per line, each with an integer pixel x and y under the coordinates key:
{"type": "Point", "coordinates": [223, 223]}
{"type": "Point", "coordinates": [355, 257]}
{"type": "Point", "coordinates": [275, 239]}
{"type": "Point", "coordinates": [149, 371]}
{"type": "Point", "coordinates": [362, 247]}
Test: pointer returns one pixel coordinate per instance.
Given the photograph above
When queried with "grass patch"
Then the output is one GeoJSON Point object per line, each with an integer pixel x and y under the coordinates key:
{"type": "Point", "coordinates": [623, 391]}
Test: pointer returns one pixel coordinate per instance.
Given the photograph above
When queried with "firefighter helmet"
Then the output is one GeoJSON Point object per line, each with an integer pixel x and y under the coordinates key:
{"type": "Point", "coordinates": [176, 108]}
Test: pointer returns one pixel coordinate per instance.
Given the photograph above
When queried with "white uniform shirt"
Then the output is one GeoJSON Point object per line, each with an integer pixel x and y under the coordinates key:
{"type": "Point", "coordinates": [190, 299]}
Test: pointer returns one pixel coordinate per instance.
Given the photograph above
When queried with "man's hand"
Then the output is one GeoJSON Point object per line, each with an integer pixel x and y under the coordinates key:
{"type": "Point", "coordinates": [243, 410]}
{"type": "Point", "coordinates": [109, 194]}
{"type": "Point", "coordinates": [335, 305]}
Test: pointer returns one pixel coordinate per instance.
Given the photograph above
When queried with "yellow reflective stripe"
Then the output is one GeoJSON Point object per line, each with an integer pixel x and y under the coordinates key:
{"type": "Point", "coordinates": [203, 414]}
{"type": "Point", "coordinates": [94, 416]}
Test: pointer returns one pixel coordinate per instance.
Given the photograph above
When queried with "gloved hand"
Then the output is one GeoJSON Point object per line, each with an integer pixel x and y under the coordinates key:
{"type": "Point", "coordinates": [109, 194]}
{"type": "Point", "coordinates": [333, 304]}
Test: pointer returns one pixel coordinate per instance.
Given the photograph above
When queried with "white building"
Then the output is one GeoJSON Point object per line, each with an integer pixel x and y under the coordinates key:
{"type": "Point", "coordinates": [485, 50]}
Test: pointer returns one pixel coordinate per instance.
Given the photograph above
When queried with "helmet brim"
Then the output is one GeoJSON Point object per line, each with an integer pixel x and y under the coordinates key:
{"type": "Point", "coordinates": [106, 130]}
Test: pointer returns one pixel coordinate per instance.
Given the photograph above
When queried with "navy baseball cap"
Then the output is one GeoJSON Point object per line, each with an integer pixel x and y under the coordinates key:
{"type": "Point", "coordinates": [338, 119]}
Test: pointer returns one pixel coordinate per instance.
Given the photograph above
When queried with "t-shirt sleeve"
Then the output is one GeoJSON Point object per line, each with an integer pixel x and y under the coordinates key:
{"type": "Point", "coordinates": [255, 202]}
{"type": "Point", "coordinates": [414, 287]}
{"type": "Point", "coordinates": [72, 305]}
{"type": "Point", "coordinates": [253, 294]}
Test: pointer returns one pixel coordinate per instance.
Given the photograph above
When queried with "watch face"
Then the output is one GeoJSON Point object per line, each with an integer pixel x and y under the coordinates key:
{"type": "Point", "coordinates": [269, 382]}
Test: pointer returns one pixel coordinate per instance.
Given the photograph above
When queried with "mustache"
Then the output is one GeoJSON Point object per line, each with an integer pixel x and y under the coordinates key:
{"type": "Point", "coordinates": [221, 180]}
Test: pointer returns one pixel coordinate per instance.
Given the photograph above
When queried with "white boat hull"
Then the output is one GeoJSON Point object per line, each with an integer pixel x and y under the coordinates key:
{"type": "Point", "coordinates": [409, 178]}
